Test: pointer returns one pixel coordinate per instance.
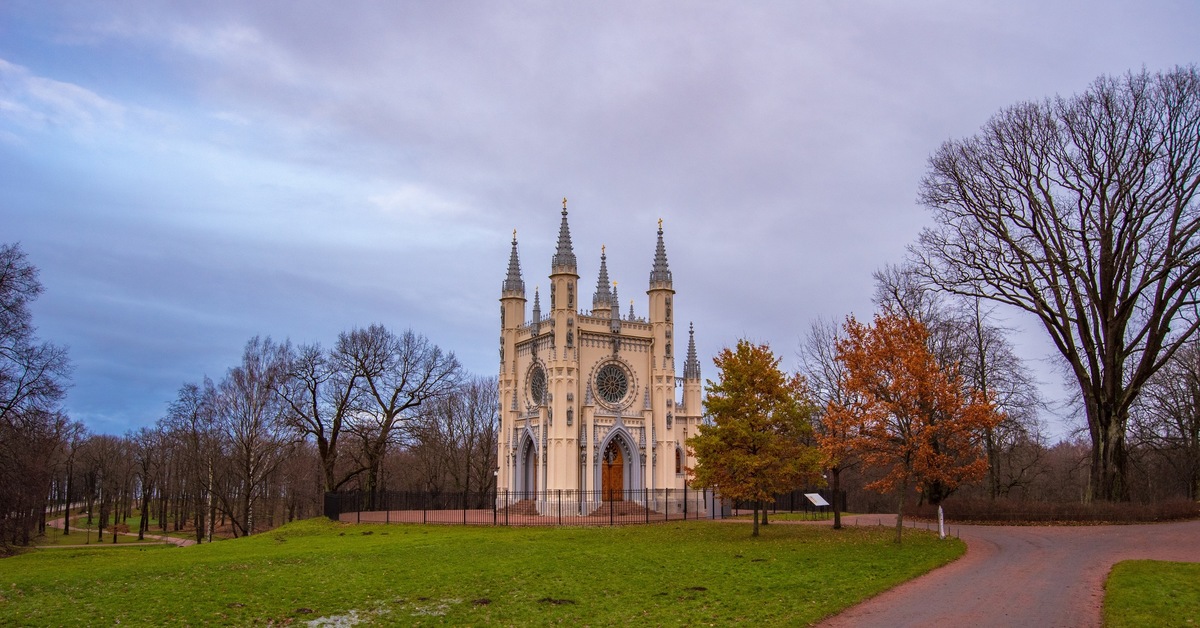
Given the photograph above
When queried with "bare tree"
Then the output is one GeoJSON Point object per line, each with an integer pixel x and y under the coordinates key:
{"type": "Point", "coordinates": [33, 378]}
{"type": "Point", "coordinates": [826, 377]}
{"type": "Point", "coordinates": [251, 416]}
{"type": "Point", "coordinates": [73, 438]}
{"type": "Point", "coordinates": [148, 452]}
{"type": "Point", "coordinates": [1167, 416]}
{"type": "Point", "coordinates": [192, 431]}
{"type": "Point", "coordinates": [454, 438]}
{"type": "Point", "coordinates": [322, 394]}
{"type": "Point", "coordinates": [398, 374]}
{"type": "Point", "coordinates": [1082, 212]}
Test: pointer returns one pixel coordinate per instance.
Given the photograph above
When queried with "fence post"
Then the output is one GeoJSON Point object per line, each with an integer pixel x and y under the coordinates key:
{"type": "Point", "coordinates": [611, 522]}
{"type": "Point", "coordinates": [464, 503]}
{"type": "Point", "coordinates": [559, 499]}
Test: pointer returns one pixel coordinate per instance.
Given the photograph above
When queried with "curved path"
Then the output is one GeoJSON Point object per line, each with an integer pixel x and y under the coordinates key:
{"type": "Point", "coordinates": [1022, 575]}
{"type": "Point", "coordinates": [58, 523]}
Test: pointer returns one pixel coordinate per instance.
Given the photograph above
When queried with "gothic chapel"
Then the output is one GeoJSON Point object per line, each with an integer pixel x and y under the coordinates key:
{"type": "Point", "coordinates": [589, 400]}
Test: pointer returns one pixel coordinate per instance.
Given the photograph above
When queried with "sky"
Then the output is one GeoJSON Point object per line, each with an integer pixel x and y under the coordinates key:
{"type": "Point", "coordinates": [188, 175]}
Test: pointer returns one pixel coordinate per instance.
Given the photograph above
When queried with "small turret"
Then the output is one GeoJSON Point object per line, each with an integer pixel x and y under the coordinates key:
{"type": "Point", "coordinates": [615, 312]}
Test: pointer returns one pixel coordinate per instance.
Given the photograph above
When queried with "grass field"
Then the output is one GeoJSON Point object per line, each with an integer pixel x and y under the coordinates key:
{"type": "Point", "coordinates": [694, 573]}
{"type": "Point", "coordinates": [1152, 593]}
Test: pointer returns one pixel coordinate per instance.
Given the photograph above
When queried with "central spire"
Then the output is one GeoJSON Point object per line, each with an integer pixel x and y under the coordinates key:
{"type": "Point", "coordinates": [564, 257]}
{"type": "Point", "coordinates": [602, 299]}
{"type": "Point", "coordinates": [660, 274]}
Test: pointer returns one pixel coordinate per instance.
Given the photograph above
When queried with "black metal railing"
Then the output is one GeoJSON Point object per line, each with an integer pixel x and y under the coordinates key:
{"type": "Point", "coordinates": [526, 508]}
{"type": "Point", "coordinates": [797, 502]}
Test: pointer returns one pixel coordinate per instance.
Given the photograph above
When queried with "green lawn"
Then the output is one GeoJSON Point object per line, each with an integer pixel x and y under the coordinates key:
{"type": "Point", "coordinates": [1152, 593]}
{"type": "Point", "coordinates": [691, 573]}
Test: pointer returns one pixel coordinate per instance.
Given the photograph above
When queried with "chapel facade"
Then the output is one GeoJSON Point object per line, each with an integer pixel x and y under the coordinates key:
{"type": "Point", "coordinates": [590, 404]}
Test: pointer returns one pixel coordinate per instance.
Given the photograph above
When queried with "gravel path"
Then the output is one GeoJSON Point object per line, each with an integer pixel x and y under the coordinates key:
{"type": "Point", "coordinates": [1023, 576]}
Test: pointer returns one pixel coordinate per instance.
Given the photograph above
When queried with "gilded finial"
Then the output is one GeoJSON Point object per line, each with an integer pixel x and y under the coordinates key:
{"type": "Point", "coordinates": [514, 234]}
{"type": "Point", "coordinates": [602, 249]}
{"type": "Point", "coordinates": [564, 203]}
{"type": "Point", "coordinates": [660, 224]}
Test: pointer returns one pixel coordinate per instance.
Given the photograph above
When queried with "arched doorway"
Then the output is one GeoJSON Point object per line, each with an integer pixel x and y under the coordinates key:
{"type": "Point", "coordinates": [529, 469]}
{"type": "Point", "coordinates": [612, 473]}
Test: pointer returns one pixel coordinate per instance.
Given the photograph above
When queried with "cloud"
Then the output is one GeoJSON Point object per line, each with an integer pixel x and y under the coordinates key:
{"type": "Point", "coordinates": [37, 102]}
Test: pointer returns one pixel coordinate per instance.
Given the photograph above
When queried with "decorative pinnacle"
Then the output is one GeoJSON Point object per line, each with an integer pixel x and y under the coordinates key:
{"type": "Point", "coordinates": [691, 366]}
{"type": "Point", "coordinates": [513, 282]}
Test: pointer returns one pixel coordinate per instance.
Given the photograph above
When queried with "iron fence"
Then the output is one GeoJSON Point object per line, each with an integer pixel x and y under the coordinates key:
{"type": "Point", "coordinates": [525, 508]}
{"type": "Point", "coordinates": [797, 502]}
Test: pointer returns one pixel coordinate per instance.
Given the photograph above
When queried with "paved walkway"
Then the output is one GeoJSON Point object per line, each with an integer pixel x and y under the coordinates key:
{"type": "Point", "coordinates": [1021, 575]}
{"type": "Point", "coordinates": [58, 523]}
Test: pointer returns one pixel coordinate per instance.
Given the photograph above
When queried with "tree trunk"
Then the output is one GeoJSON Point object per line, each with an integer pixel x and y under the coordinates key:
{"type": "Point", "coordinates": [755, 532]}
{"type": "Point", "coordinates": [900, 512]}
{"type": "Point", "coordinates": [837, 507]}
{"type": "Point", "coordinates": [1108, 481]}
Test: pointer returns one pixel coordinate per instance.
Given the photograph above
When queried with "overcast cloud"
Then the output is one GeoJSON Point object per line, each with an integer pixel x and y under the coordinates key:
{"type": "Point", "coordinates": [187, 175]}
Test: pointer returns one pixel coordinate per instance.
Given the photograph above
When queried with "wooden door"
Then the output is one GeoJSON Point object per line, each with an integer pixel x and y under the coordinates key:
{"type": "Point", "coordinates": [613, 473]}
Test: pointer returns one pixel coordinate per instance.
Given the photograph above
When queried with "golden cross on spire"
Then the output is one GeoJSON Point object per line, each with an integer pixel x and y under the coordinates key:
{"type": "Point", "coordinates": [660, 224]}
{"type": "Point", "coordinates": [514, 234]}
{"type": "Point", "coordinates": [602, 249]}
{"type": "Point", "coordinates": [564, 203]}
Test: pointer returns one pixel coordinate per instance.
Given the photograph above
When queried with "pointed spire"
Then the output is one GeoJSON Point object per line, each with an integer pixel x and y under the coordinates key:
{"type": "Point", "coordinates": [602, 299]}
{"type": "Point", "coordinates": [564, 257]}
{"type": "Point", "coordinates": [537, 307]}
{"type": "Point", "coordinates": [631, 309]}
{"type": "Point", "coordinates": [691, 367]}
{"type": "Point", "coordinates": [513, 283]}
{"type": "Point", "coordinates": [660, 274]}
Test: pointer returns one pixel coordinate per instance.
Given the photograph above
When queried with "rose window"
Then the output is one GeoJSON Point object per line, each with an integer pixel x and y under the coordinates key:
{"type": "Point", "coordinates": [612, 384]}
{"type": "Point", "coordinates": [537, 385]}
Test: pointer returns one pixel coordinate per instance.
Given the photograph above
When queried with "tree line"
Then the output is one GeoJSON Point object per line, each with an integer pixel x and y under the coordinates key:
{"type": "Point", "coordinates": [262, 445]}
{"type": "Point", "coordinates": [256, 448]}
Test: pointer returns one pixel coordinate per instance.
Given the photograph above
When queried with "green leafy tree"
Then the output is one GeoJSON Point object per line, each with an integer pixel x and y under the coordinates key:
{"type": "Point", "coordinates": [755, 443]}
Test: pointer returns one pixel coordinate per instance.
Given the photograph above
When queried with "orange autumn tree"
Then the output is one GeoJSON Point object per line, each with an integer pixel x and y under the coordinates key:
{"type": "Point", "coordinates": [905, 414]}
{"type": "Point", "coordinates": [756, 442]}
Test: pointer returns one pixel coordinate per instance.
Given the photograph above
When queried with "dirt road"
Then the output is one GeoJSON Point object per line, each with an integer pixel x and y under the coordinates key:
{"type": "Point", "coordinates": [1023, 576]}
